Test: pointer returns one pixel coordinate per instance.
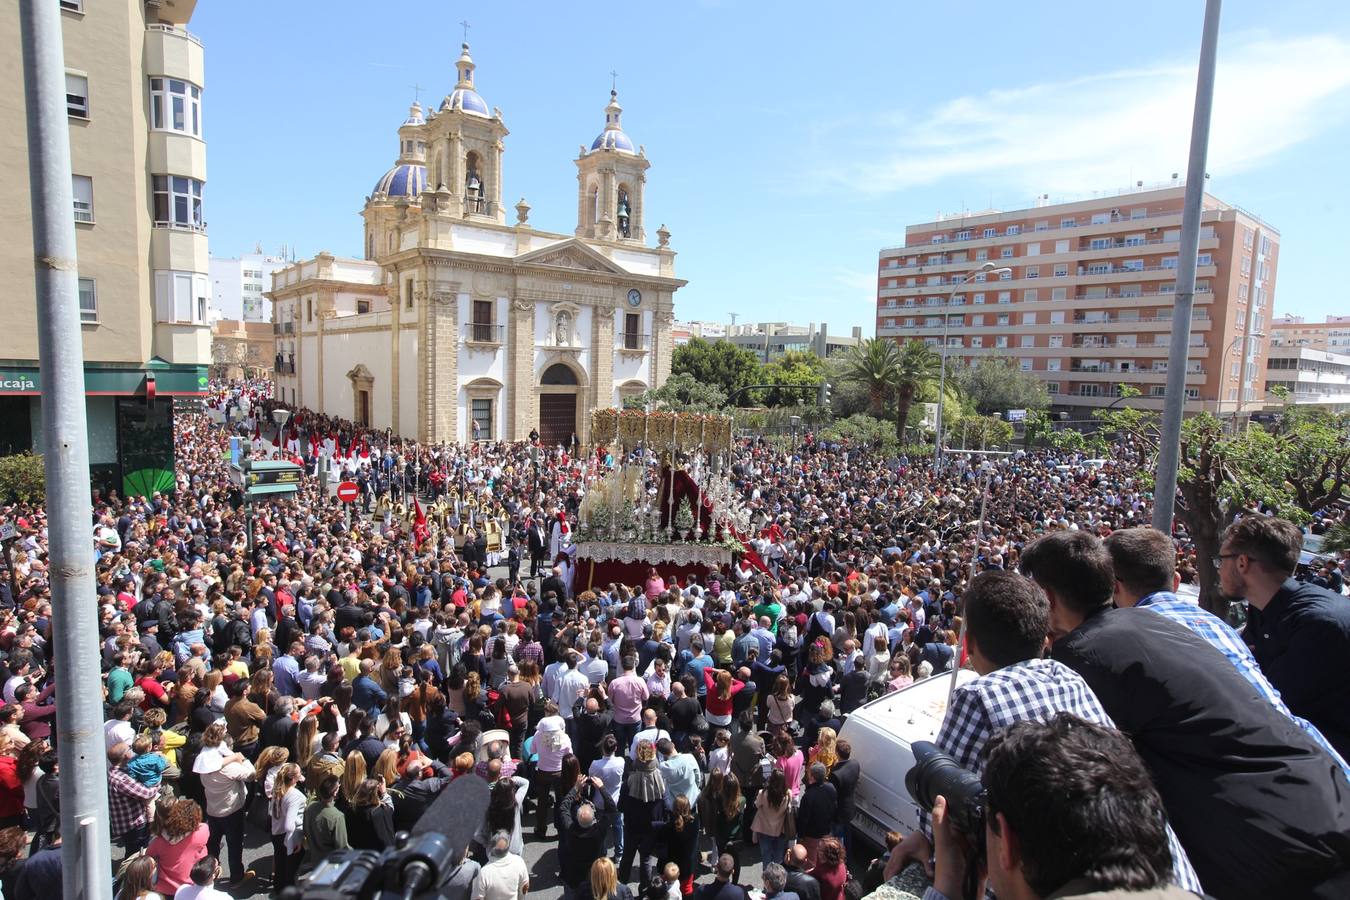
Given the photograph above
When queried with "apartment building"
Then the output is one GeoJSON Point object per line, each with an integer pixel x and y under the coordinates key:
{"type": "Point", "coordinates": [238, 286]}
{"type": "Point", "coordinates": [1087, 301]}
{"type": "Point", "coordinates": [1332, 335]}
{"type": "Point", "coordinates": [1312, 377]}
{"type": "Point", "coordinates": [134, 87]}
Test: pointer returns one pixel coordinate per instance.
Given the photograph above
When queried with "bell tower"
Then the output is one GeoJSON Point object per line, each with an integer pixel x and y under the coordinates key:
{"type": "Point", "coordinates": [610, 181]}
{"type": "Point", "coordinates": [464, 148]}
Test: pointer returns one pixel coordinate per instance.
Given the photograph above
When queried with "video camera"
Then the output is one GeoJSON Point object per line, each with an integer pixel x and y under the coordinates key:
{"type": "Point", "coordinates": [418, 865]}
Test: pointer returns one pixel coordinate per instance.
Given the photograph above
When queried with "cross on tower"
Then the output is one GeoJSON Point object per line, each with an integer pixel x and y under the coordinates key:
{"type": "Point", "coordinates": [613, 80]}
{"type": "Point", "coordinates": [417, 92]}
{"type": "Point", "coordinates": [466, 31]}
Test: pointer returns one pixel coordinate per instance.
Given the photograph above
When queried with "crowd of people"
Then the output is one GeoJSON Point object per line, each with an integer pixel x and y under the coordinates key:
{"type": "Point", "coordinates": [325, 685]}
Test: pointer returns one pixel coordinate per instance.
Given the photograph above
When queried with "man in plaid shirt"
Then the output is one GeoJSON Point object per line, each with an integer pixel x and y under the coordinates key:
{"type": "Point", "coordinates": [1007, 619]}
{"type": "Point", "coordinates": [1144, 560]}
{"type": "Point", "coordinates": [128, 802]}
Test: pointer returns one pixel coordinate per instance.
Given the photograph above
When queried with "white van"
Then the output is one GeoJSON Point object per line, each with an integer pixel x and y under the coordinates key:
{"type": "Point", "coordinates": [881, 733]}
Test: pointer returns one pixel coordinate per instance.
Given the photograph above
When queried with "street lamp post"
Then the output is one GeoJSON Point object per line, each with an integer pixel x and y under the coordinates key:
{"type": "Point", "coordinates": [986, 269]}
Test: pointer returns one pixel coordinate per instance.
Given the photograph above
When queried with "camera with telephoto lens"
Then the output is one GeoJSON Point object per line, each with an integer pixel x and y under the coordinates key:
{"type": "Point", "coordinates": [418, 866]}
{"type": "Point", "coordinates": [937, 774]}
{"type": "Point", "coordinates": [414, 867]}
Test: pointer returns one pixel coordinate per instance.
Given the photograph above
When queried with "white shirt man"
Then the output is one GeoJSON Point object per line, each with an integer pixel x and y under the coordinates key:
{"type": "Point", "coordinates": [505, 877]}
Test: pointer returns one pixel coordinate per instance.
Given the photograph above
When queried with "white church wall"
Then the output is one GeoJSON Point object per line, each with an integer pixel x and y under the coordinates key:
{"type": "Point", "coordinates": [481, 240]}
{"type": "Point", "coordinates": [343, 351]}
{"type": "Point", "coordinates": [637, 262]}
{"type": "Point", "coordinates": [356, 271]}
{"type": "Point", "coordinates": [407, 376]}
{"type": "Point", "coordinates": [307, 369]}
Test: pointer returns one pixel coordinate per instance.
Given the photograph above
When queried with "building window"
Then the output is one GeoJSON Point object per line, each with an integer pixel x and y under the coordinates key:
{"type": "Point", "coordinates": [175, 106]}
{"type": "Point", "coordinates": [1206, 259]}
{"type": "Point", "coordinates": [1031, 272]}
{"type": "Point", "coordinates": [1052, 387]}
{"type": "Point", "coordinates": [963, 235]}
{"type": "Point", "coordinates": [1013, 229]}
{"type": "Point", "coordinates": [1062, 246]}
{"type": "Point", "coordinates": [82, 187]}
{"type": "Point", "coordinates": [1005, 296]}
{"type": "Point", "coordinates": [1029, 318]}
{"type": "Point", "coordinates": [1005, 253]}
{"type": "Point", "coordinates": [482, 419]}
{"type": "Point", "coordinates": [1067, 223]}
{"type": "Point", "coordinates": [1061, 270]}
{"type": "Point", "coordinates": [979, 299]}
{"type": "Point", "coordinates": [73, 5]}
{"type": "Point", "coordinates": [632, 331]}
{"type": "Point", "coordinates": [77, 96]}
{"type": "Point", "coordinates": [481, 327]}
{"type": "Point", "coordinates": [362, 307]}
{"type": "Point", "coordinates": [1028, 340]}
{"type": "Point", "coordinates": [309, 310]}
{"type": "Point", "coordinates": [977, 342]}
{"type": "Point", "coordinates": [1052, 365]}
{"type": "Point", "coordinates": [88, 301]}
{"type": "Point", "coordinates": [991, 232]}
{"type": "Point", "coordinates": [1033, 294]}
{"type": "Point", "coordinates": [1024, 365]}
{"type": "Point", "coordinates": [1001, 342]}
{"type": "Point", "coordinates": [178, 201]}
{"type": "Point", "coordinates": [408, 294]}
{"type": "Point", "coordinates": [1056, 340]}
{"type": "Point", "coordinates": [181, 297]}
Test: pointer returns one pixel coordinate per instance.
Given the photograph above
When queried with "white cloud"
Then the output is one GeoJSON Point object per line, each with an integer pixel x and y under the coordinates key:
{"type": "Point", "coordinates": [1103, 131]}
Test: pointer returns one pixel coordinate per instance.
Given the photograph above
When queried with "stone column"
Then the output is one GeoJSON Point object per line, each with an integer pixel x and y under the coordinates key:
{"type": "Point", "coordinates": [324, 312]}
{"type": "Point", "coordinates": [520, 371]}
{"type": "Point", "coordinates": [438, 374]}
{"type": "Point", "coordinates": [602, 366]}
{"type": "Point", "coordinates": [663, 343]}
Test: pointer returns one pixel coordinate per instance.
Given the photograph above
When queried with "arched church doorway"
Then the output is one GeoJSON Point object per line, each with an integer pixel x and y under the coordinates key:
{"type": "Point", "coordinates": [559, 402]}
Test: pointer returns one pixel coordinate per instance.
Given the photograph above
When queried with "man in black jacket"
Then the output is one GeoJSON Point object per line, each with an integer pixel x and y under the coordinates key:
{"type": "Point", "coordinates": [554, 584]}
{"type": "Point", "coordinates": [816, 811]}
{"type": "Point", "coordinates": [798, 881]}
{"type": "Point", "coordinates": [844, 776]}
{"type": "Point", "coordinates": [1299, 632]}
{"type": "Point", "coordinates": [1261, 810]}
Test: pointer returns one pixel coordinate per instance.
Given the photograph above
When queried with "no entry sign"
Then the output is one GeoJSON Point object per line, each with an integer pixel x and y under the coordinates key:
{"type": "Point", "coordinates": [347, 491]}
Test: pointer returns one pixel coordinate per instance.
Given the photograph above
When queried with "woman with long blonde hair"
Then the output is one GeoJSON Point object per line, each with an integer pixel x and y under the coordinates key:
{"type": "Point", "coordinates": [288, 815]}
{"type": "Point", "coordinates": [605, 881]}
{"type": "Point", "coordinates": [353, 773]}
{"type": "Point", "coordinates": [386, 767]}
{"type": "Point", "coordinates": [824, 751]}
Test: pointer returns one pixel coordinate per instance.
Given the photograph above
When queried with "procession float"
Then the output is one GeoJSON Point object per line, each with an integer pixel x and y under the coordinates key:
{"type": "Point", "coordinates": [666, 501]}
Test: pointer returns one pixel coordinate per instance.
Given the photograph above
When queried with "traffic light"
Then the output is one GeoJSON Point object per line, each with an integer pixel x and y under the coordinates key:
{"type": "Point", "coordinates": [823, 394]}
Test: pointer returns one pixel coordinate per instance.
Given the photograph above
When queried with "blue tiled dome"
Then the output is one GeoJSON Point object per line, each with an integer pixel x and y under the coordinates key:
{"type": "Point", "coordinates": [465, 100]}
{"type": "Point", "coordinates": [612, 139]}
{"type": "Point", "coordinates": [402, 181]}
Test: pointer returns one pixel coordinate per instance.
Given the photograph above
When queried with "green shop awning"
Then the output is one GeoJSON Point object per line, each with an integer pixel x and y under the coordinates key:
{"type": "Point", "coordinates": [114, 380]}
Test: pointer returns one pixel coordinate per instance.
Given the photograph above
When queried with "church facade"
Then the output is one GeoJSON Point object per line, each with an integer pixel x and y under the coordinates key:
{"type": "Point", "coordinates": [458, 326]}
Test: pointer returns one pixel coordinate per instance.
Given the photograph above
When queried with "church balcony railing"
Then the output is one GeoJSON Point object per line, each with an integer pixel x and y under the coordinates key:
{"type": "Point", "coordinates": [484, 333]}
{"type": "Point", "coordinates": [631, 342]}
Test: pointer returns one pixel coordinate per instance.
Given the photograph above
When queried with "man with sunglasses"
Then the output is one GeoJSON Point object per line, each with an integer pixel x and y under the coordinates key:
{"type": "Point", "coordinates": [1299, 632]}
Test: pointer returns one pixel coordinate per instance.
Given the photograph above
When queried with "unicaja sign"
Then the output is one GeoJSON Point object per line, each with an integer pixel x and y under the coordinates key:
{"type": "Point", "coordinates": [10, 381]}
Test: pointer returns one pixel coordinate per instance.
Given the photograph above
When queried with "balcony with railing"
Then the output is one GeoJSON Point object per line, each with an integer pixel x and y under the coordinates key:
{"type": "Point", "coordinates": [632, 342]}
{"type": "Point", "coordinates": [287, 327]}
{"type": "Point", "coordinates": [977, 232]}
{"type": "Point", "coordinates": [285, 366]}
{"type": "Point", "coordinates": [484, 333]}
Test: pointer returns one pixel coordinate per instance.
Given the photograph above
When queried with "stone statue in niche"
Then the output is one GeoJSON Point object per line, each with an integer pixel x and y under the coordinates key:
{"type": "Point", "coordinates": [562, 335]}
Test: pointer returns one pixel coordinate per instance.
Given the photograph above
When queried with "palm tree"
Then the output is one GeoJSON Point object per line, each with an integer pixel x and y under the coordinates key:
{"type": "Point", "coordinates": [917, 364]}
{"type": "Point", "coordinates": [873, 364]}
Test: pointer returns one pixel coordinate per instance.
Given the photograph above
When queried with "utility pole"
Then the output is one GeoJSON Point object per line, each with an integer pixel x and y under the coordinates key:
{"type": "Point", "coordinates": [85, 853]}
{"type": "Point", "coordinates": [1169, 440]}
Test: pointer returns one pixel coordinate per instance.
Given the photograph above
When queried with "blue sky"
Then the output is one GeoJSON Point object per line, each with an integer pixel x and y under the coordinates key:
{"type": "Point", "coordinates": [789, 141]}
